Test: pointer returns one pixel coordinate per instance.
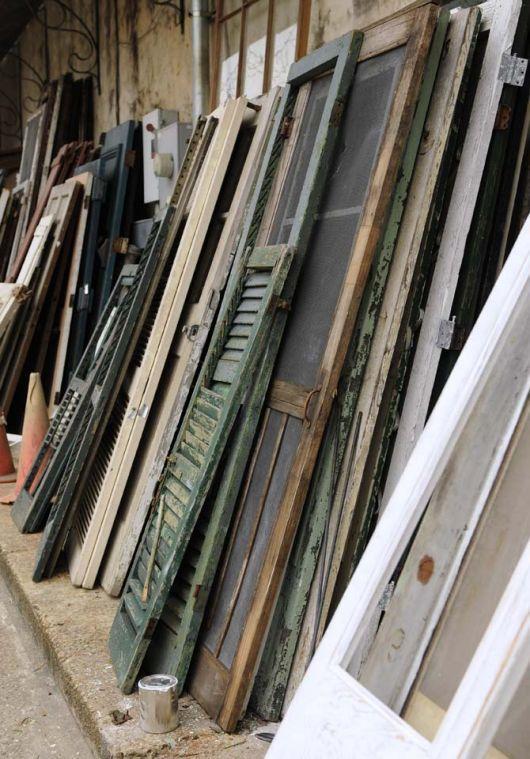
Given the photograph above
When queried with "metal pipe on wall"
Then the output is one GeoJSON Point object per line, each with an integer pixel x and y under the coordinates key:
{"type": "Point", "coordinates": [200, 44]}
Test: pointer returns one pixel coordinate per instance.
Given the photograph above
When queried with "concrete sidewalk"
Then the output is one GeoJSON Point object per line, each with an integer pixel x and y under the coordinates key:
{"type": "Point", "coordinates": [71, 626]}
{"type": "Point", "coordinates": [35, 720]}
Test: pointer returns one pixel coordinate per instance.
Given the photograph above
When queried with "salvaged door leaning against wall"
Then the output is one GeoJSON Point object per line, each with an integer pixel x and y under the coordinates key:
{"type": "Point", "coordinates": [139, 618]}
{"type": "Point", "coordinates": [377, 119]}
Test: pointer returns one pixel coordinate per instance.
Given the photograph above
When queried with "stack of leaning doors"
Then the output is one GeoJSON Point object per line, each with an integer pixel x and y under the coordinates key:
{"type": "Point", "coordinates": [325, 211]}
{"type": "Point", "coordinates": [148, 407]}
{"type": "Point", "coordinates": [93, 388]}
{"type": "Point", "coordinates": [446, 673]}
{"type": "Point", "coordinates": [438, 226]}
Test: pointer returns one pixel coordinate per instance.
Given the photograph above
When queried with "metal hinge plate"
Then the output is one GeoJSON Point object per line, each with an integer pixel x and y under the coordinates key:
{"type": "Point", "coordinates": [287, 127]}
{"type": "Point", "coordinates": [130, 158]}
{"type": "Point", "coordinates": [83, 298]}
{"type": "Point", "coordinates": [513, 69]}
{"type": "Point", "coordinates": [450, 336]}
{"type": "Point", "coordinates": [121, 245]}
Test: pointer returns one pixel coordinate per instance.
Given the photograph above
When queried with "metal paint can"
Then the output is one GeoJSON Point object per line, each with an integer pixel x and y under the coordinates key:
{"type": "Point", "coordinates": [158, 703]}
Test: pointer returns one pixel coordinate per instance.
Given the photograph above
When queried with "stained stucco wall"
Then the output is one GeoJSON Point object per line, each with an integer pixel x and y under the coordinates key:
{"type": "Point", "coordinates": [153, 58]}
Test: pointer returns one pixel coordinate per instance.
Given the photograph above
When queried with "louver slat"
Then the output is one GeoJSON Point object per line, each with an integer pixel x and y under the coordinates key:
{"type": "Point", "coordinates": [203, 445]}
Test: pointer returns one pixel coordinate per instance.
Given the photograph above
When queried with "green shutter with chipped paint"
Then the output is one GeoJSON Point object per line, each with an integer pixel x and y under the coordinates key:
{"type": "Point", "coordinates": [175, 640]}
{"type": "Point", "coordinates": [238, 341]}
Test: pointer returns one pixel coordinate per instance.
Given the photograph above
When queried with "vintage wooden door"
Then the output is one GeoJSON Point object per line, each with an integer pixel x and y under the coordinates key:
{"type": "Point", "coordinates": [376, 123]}
{"type": "Point", "coordinates": [319, 84]}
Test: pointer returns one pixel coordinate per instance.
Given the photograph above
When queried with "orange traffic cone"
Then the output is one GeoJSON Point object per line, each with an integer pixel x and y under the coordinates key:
{"type": "Point", "coordinates": [7, 468]}
{"type": "Point", "coordinates": [34, 429]}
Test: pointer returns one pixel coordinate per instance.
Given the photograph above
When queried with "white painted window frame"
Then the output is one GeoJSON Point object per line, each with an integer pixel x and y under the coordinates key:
{"type": "Point", "coordinates": [332, 714]}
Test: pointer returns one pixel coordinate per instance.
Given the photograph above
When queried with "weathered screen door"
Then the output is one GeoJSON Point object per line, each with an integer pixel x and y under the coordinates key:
{"type": "Point", "coordinates": [376, 122]}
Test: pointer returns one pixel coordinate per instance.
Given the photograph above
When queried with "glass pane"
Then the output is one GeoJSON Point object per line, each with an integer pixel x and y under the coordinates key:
{"type": "Point", "coordinates": [256, 32]}
{"type": "Point", "coordinates": [284, 42]}
{"type": "Point", "coordinates": [229, 58]}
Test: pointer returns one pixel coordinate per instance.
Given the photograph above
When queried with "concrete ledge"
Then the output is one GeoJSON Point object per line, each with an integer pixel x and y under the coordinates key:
{"type": "Point", "coordinates": [72, 627]}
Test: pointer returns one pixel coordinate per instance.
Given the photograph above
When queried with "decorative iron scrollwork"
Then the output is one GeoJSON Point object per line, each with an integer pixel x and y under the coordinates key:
{"type": "Point", "coordinates": [58, 16]}
{"type": "Point", "coordinates": [26, 73]}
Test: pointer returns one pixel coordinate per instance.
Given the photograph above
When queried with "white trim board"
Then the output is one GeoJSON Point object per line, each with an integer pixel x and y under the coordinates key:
{"type": "Point", "coordinates": [454, 237]}
{"type": "Point", "coordinates": [332, 714]}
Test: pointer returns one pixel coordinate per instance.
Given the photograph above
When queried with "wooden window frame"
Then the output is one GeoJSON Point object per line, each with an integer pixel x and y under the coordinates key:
{"type": "Point", "coordinates": [302, 36]}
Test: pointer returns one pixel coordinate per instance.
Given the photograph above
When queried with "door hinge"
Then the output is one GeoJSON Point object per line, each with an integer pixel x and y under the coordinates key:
{"type": "Point", "coordinates": [120, 245]}
{"type": "Point", "coordinates": [99, 187]}
{"type": "Point", "coordinates": [287, 127]}
{"type": "Point", "coordinates": [83, 297]}
{"type": "Point", "coordinates": [503, 118]}
{"type": "Point", "coordinates": [130, 159]}
{"type": "Point", "coordinates": [450, 336]}
{"type": "Point", "coordinates": [513, 69]}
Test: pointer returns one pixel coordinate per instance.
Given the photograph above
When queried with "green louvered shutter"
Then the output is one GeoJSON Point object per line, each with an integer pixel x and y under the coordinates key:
{"type": "Point", "coordinates": [239, 339]}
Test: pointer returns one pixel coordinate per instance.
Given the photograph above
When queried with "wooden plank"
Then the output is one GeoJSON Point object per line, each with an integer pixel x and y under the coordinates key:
{"type": "Point", "coordinates": [331, 706]}
{"type": "Point", "coordinates": [61, 204]}
{"type": "Point", "coordinates": [36, 249]}
{"type": "Point", "coordinates": [454, 237]}
{"type": "Point", "coordinates": [63, 156]}
{"type": "Point", "coordinates": [370, 228]}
